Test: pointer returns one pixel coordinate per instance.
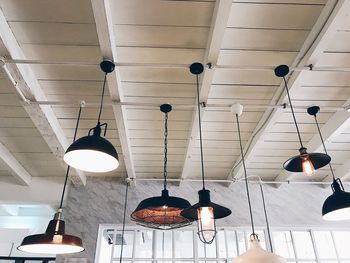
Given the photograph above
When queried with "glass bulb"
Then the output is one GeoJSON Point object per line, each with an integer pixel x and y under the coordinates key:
{"type": "Point", "coordinates": [206, 224]}
{"type": "Point", "coordinates": [307, 166]}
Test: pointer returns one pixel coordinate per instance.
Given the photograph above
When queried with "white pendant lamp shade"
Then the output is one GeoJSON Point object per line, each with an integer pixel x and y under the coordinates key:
{"type": "Point", "coordinates": [255, 254]}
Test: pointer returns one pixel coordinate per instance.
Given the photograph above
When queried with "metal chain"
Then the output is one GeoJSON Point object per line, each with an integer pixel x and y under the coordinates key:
{"type": "Point", "coordinates": [165, 149]}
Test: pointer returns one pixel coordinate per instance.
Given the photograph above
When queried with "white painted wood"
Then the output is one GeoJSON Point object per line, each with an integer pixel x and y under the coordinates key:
{"type": "Point", "coordinates": [104, 24]}
{"type": "Point", "coordinates": [322, 32]}
{"type": "Point", "coordinates": [15, 168]}
{"type": "Point", "coordinates": [214, 42]}
{"type": "Point", "coordinates": [42, 116]}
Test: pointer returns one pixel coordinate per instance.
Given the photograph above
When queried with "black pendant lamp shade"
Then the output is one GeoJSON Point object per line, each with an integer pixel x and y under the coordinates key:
{"type": "Point", "coordinates": [205, 211]}
{"type": "Point", "coordinates": [337, 205]}
{"type": "Point", "coordinates": [164, 211]}
{"type": "Point", "coordinates": [94, 153]}
{"type": "Point", "coordinates": [304, 162]}
{"type": "Point", "coordinates": [55, 240]}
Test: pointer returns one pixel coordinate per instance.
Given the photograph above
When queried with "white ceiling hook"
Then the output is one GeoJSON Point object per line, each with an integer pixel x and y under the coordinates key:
{"type": "Point", "coordinates": [237, 109]}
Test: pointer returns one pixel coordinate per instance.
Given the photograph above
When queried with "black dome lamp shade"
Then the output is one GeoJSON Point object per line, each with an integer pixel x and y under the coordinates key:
{"type": "Point", "coordinates": [54, 240]}
{"type": "Point", "coordinates": [205, 211]}
{"type": "Point", "coordinates": [94, 153]}
{"type": "Point", "coordinates": [164, 211]}
{"type": "Point", "coordinates": [337, 206]}
{"type": "Point", "coordinates": [304, 162]}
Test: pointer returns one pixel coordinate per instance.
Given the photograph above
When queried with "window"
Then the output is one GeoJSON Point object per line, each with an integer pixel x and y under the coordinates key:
{"type": "Point", "coordinates": [142, 245]}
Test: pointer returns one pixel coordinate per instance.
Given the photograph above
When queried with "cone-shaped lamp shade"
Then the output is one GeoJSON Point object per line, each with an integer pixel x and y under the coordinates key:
{"type": "Point", "coordinates": [92, 153]}
{"type": "Point", "coordinates": [337, 205]}
{"type": "Point", "coordinates": [297, 163]}
{"type": "Point", "coordinates": [255, 254]}
{"type": "Point", "coordinates": [161, 212]}
{"type": "Point", "coordinates": [53, 241]}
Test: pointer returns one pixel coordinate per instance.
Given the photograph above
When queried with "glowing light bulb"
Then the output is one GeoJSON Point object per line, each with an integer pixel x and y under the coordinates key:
{"type": "Point", "coordinates": [206, 224]}
{"type": "Point", "coordinates": [307, 166]}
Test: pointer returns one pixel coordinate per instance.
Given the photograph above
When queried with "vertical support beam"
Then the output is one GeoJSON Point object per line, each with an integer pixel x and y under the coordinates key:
{"type": "Point", "coordinates": [104, 25]}
{"type": "Point", "coordinates": [28, 87]}
{"type": "Point", "coordinates": [219, 22]}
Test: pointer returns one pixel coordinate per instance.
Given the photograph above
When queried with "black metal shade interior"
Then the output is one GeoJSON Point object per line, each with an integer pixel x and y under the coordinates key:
{"type": "Point", "coordinates": [204, 201]}
{"type": "Point", "coordinates": [161, 212]}
{"type": "Point", "coordinates": [318, 160]}
{"type": "Point", "coordinates": [338, 200]}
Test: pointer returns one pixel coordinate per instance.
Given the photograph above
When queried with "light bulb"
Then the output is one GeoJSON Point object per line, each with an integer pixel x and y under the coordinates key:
{"type": "Point", "coordinates": [307, 166]}
{"type": "Point", "coordinates": [206, 224]}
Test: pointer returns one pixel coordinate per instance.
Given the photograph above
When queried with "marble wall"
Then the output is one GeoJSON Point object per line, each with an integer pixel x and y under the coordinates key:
{"type": "Point", "coordinates": [102, 201]}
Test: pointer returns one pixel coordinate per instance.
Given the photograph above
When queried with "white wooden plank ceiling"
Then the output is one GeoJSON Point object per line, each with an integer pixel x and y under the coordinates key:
{"type": "Point", "coordinates": [152, 40]}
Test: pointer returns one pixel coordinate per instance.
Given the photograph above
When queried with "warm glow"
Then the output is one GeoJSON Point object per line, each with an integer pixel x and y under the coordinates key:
{"type": "Point", "coordinates": [307, 166]}
{"type": "Point", "coordinates": [206, 222]}
{"type": "Point", "coordinates": [91, 161]}
{"type": "Point", "coordinates": [337, 215]}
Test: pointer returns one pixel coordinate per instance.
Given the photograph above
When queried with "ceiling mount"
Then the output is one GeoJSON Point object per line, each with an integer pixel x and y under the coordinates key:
{"type": "Point", "coordinates": [281, 71]}
{"type": "Point", "coordinates": [107, 66]}
{"type": "Point", "coordinates": [313, 110]}
{"type": "Point", "coordinates": [165, 108]}
{"type": "Point", "coordinates": [196, 68]}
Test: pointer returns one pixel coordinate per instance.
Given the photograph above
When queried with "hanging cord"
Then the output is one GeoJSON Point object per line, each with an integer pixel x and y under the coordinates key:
{"type": "Point", "coordinates": [68, 167]}
{"type": "Point", "coordinates": [245, 176]}
{"type": "Point", "coordinates": [103, 94]}
{"type": "Point", "coordinates": [324, 146]}
{"type": "Point", "coordinates": [124, 217]}
{"type": "Point", "coordinates": [200, 130]}
{"type": "Point", "coordinates": [291, 108]}
{"type": "Point", "coordinates": [266, 218]}
{"type": "Point", "coordinates": [165, 149]}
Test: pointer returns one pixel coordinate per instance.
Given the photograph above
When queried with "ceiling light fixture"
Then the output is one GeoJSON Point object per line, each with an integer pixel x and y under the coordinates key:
{"type": "Point", "coordinates": [205, 211]}
{"type": "Point", "coordinates": [94, 153]}
{"type": "Point", "coordinates": [304, 162]}
{"type": "Point", "coordinates": [55, 240]}
{"type": "Point", "coordinates": [255, 253]}
{"type": "Point", "coordinates": [162, 212]}
{"type": "Point", "coordinates": [337, 206]}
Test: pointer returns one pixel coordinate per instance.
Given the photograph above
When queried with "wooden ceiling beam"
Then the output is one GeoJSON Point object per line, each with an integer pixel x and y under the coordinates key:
{"type": "Point", "coordinates": [104, 25]}
{"type": "Point", "coordinates": [28, 87]}
{"type": "Point", "coordinates": [216, 34]}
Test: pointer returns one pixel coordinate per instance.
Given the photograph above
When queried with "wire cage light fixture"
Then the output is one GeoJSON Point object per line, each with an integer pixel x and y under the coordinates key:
{"type": "Point", "coordinates": [205, 212]}
{"type": "Point", "coordinates": [164, 211]}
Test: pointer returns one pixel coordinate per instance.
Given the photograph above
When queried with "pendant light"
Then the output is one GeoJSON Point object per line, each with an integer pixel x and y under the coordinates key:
{"type": "Point", "coordinates": [205, 211]}
{"type": "Point", "coordinates": [337, 205]}
{"type": "Point", "coordinates": [94, 153]}
{"type": "Point", "coordinates": [54, 240]}
{"type": "Point", "coordinates": [255, 253]}
{"type": "Point", "coordinates": [162, 212]}
{"type": "Point", "coordinates": [304, 162]}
